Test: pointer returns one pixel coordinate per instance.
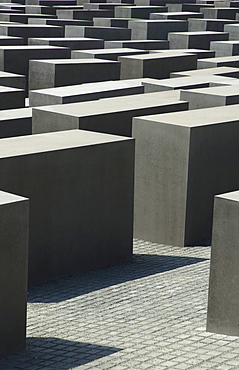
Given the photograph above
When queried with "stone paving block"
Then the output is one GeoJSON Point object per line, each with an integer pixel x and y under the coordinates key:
{"type": "Point", "coordinates": [138, 44]}
{"type": "Point", "coordinates": [136, 11]}
{"type": "Point", "coordinates": [86, 92]}
{"type": "Point", "coordinates": [230, 72]}
{"type": "Point", "coordinates": [111, 115]}
{"type": "Point", "coordinates": [198, 24]}
{"type": "Point", "coordinates": [197, 39]}
{"type": "Point", "coordinates": [155, 65]}
{"type": "Point", "coordinates": [73, 43]}
{"type": "Point", "coordinates": [40, 9]}
{"type": "Point", "coordinates": [15, 122]}
{"type": "Point", "coordinates": [26, 30]}
{"type": "Point", "coordinates": [171, 184]}
{"type": "Point", "coordinates": [225, 48]}
{"type": "Point", "coordinates": [79, 224]}
{"type": "Point", "coordinates": [231, 61]}
{"type": "Point", "coordinates": [11, 97]}
{"type": "Point", "coordinates": [14, 228]}
{"type": "Point", "coordinates": [224, 13]}
{"type": "Point", "coordinates": [109, 54]}
{"type": "Point", "coordinates": [176, 15]}
{"type": "Point", "coordinates": [155, 29]}
{"type": "Point", "coordinates": [61, 72]}
{"type": "Point", "coordinates": [222, 312]}
{"type": "Point", "coordinates": [211, 96]}
{"type": "Point", "coordinates": [106, 33]}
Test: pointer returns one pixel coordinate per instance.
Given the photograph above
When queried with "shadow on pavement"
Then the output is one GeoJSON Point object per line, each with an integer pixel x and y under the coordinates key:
{"type": "Point", "coordinates": [142, 265]}
{"type": "Point", "coordinates": [41, 352]}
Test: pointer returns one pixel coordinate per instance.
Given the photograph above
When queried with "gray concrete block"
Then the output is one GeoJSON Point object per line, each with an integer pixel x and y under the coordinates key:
{"type": "Point", "coordinates": [225, 48]}
{"type": "Point", "coordinates": [197, 39]}
{"type": "Point", "coordinates": [224, 13]}
{"type": "Point", "coordinates": [11, 97]}
{"type": "Point", "coordinates": [16, 58]}
{"type": "Point", "coordinates": [220, 71]}
{"type": "Point", "coordinates": [21, 17]}
{"type": "Point", "coordinates": [111, 22]}
{"type": "Point", "coordinates": [231, 61]}
{"type": "Point", "coordinates": [78, 221]}
{"type": "Point", "coordinates": [155, 65]}
{"type": "Point", "coordinates": [30, 30]}
{"type": "Point", "coordinates": [155, 29]}
{"type": "Point", "coordinates": [141, 12]}
{"type": "Point", "coordinates": [73, 43]}
{"type": "Point", "coordinates": [61, 72]}
{"type": "Point", "coordinates": [12, 80]}
{"type": "Point", "coordinates": [14, 225]}
{"type": "Point", "coordinates": [198, 24]}
{"type": "Point", "coordinates": [222, 312]}
{"type": "Point", "coordinates": [109, 54]}
{"type": "Point", "coordinates": [233, 30]}
{"type": "Point", "coordinates": [111, 115]}
{"type": "Point", "coordinates": [176, 83]}
{"type": "Point", "coordinates": [15, 122]}
{"type": "Point", "coordinates": [60, 22]}
{"type": "Point", "coordinates": [11, 40]}
{"type": "Point", "coordinates": [84, 14]}
{"type": "Point", "coordinates": [106, 33]}
{"type": "Point", "coordinates": [200, 53]}
{"type": "Point", "coordinates": [182, 161]}
{"type": "Point", "coordinates": [211, 96]}
{"type": "Point", "coordinates": [176, 15]}
{"type": "Point", "coordinates": [86, 92]}
{"type": "Point", "coordinates": [138, 44]}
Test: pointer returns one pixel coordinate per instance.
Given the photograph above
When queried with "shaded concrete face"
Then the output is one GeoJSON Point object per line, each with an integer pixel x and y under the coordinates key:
{"type": "Point", "coordinates": [81, 190]}
{"type": "Point", "coordinates": [222, 313]}
{"type": "Point", "coordinates": [182, 161]}
{"type": "Point", "coordinates": [14, 228]}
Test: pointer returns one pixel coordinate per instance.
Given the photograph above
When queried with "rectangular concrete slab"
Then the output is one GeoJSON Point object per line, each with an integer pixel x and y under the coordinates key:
{"type": "Point", "coordinates": [109, 54]}
{"type": "Point", "coordinates": [220, 71]}
{"type": "Point", "coordinates": [197, 39]}
{"type": "Point", "coordinates": [14, 235]}
{"type": "Point", "coordinates": [111, 115]}
{"type": "Point", "coordinates": [182, 161]}
{"type": "Point", "coordinates": [222, 311]}
{"type": "Point", "coordinates": [61, 72]}
{"type": "Point", "coordinates": [155, 29]}
{"type": "Point", "coordinates": [15, 122]}
{"type": "Point", "coordinates": [81, 211]}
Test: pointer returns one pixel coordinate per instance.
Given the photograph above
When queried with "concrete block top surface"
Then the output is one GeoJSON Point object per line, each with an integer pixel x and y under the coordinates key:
{"type": "Point", "coordinates": [198, 33]}
{"type": "Point", "coordinates": [32, 144]}
{"type": "Point", "coordinates": [109, 51]}
{"type": "Point", "coordinates": [6, 198]}
{"type": "Point", "coordinates": [93, 87]}
{"type": "Point", "coordinates": [197, 117]}
{"type": "Point", "coordinates": [75, 61]}
{"type": "Point", "coordinates": [231, 90]}
{"type": "Point", "coordinates": [156, 55]}
{"type": "Point", "coordinates": [9, 74]}
{"type": "Point", "coordinates": [65, 38]}
{"type": "Point", "coordinates": [30, 47]}
{"type": "Point", "coordinates": [233, 196]}
{"type": "Point", "coordinates": [209, 71]}
{"type": "Point", "coordinates": [220, 59]}
{"type": "Point", "coordinates": [109, 105]}
{"type": "Point", "coordinates": [7, 114]}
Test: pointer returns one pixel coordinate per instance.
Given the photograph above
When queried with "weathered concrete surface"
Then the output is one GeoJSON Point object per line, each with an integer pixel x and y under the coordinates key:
{"type": "Point", "coordinates": [14, 234]}
{"type": "Point", "coordinates": [222, 313]}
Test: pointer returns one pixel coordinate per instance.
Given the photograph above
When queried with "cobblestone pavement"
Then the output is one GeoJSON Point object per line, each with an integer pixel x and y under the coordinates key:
{"type": "Point", "coordinates": [146, 314]}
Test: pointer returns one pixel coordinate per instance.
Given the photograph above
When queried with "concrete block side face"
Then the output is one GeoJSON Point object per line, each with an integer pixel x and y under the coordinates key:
{"type": "Point", "coordinates": [14, 234]}
{"type": "Point", "coordinates": [131, 68]}
{"type": "Point", "coordinates": [222, 312]}
{"type": "Point", "coordinates": [41, 75]}
{"type": "Point", "coordinates": [212, 170]}
{"type": "Point", "coordinates": [161, 161]}
{"type": "Point", "coordinates": [44, 121]}
{"type": "Point", "coordinates": [81, 214]}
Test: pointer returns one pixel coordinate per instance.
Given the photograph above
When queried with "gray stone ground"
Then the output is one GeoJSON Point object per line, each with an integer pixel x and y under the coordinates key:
{"type": "Point", "coordinates": [148, 314]}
